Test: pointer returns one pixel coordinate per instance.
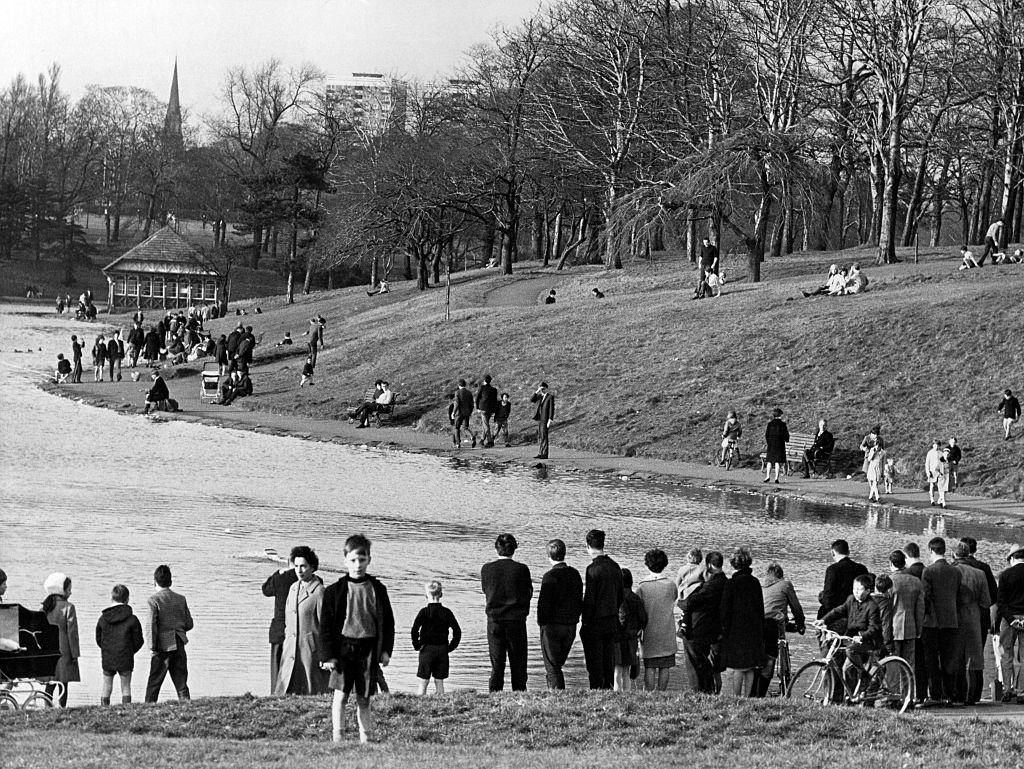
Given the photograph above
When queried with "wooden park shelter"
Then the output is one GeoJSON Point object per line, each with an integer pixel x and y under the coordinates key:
{"type": "Point", "coordinates": [164, 271]}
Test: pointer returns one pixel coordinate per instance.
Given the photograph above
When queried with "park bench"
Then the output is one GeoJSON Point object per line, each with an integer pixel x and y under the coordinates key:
{"type": "Point", "coordinates": [795, 447]}
{"type": "Point", "coordinates": [383, 414]}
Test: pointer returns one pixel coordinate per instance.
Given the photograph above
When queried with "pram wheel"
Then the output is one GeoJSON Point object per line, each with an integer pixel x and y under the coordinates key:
{"type": "Point", "coordinates": [7, 702]}
{"type": "Point", "coordinates": [37, 701]}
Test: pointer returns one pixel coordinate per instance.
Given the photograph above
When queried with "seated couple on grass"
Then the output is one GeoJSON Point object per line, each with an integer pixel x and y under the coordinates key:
{"type": "Point", "coordinates": [842, 281]}
{"type": "Point", "coordinates": [236, 385]}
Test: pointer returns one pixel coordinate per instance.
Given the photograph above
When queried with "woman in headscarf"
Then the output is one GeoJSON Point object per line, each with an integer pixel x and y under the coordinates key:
{"type": "Point", "coordinates": [61, 612]}
{"type": "Point", "coordinates": [300, 671]}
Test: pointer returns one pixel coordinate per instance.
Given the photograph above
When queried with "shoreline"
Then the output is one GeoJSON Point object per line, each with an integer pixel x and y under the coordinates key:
{"type": "Point", "coordinates": [127, 397]}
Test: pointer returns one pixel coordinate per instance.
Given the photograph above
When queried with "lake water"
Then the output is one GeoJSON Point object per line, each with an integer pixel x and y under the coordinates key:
{"type": "Point", "coordinates": [106, 497]}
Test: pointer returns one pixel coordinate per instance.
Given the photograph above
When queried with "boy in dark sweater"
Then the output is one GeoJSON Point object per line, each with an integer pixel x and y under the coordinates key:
{"type": "Point", "coordinates": [501, 418]}
{"type": "Point", "coordinates": [430, 639]}
{"type": "Point", "coordinates": [119, 636]}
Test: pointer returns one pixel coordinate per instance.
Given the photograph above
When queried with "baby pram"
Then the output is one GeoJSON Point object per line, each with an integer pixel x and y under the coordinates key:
{"type": "Point", "coordinates": [209, 386]}
{"type": "Point", "coordinates": [24, 671]}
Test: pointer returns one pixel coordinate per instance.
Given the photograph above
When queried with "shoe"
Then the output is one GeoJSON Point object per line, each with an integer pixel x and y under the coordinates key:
{"type": "Point", "coordinates": [929, 703]}
{"type": "Point", "coordinates": [360, 427]}
{"type": "Point", "coordinates": [508, 445]}
{"type": "Point", "coordinates": [767, 480]}
{"type": "Point", "coordinates": [933, 503]}
{"type": "Point", "coordinates": [1008, 696]}
{"type": "Point", "coordinates": [776, 480]}
{"type": "Point", "coordinates": [541, 456]}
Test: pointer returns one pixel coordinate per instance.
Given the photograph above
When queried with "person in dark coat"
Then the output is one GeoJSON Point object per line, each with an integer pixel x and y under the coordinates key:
{"type": "Point", "coordinates": [776, 436]}
{"type": "Point", "coordinates": [136, 341]}
{"type": "Point", "coordinates": [115, 353]}
{"type": "Point", "coordinates": [220, 354]}
{"type": "Point", "coordinates": [461, 414]}
{"type": "Point", "coordinates": [839, 577]}
{"type": "Point", "coordinates": [276, 587]}
{"type": "Point", "coordinates": [599, 630]}
{"type": "Point", "coordinates": [558, 612]}
{"type": "Point", "coordinates": [76, 359]}
{"type": "Point", "coordinates": [544, 416]}
{"type": "Point", "coordinates": [119, 636]}
{"type": "Point", "coordinates": [487, 405]}
{"type": "Point", "coordinates": [742, 609]}
{"type": "Point", "coordinates": [158, 393]}
{"type": "Point", "coordinates": [508, 588]}
{"type": "Point", "coordinates": [702, 624]}
{"type": "Point", "coordinates": [233, 340]}
{"type": "Point", "coordinates": [151, 347]}
{"type": "Point", "coordinates": [939, 637]}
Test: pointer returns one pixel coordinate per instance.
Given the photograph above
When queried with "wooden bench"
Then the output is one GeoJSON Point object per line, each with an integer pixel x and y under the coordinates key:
{"type": "Point", "coordinates": [795, 447]}
{"type": "Point", "coordinates": [383, 414]}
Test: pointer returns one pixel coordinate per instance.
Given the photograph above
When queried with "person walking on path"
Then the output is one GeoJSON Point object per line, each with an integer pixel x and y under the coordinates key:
{"type": "Point", "coordinates": [1010, 625]}
{"type": "Point", "coordinates": [76, 359]}
{"type": "Point", "coordinates": [430, 638]}
{"type": "Point", "coordinates": [991, 242]}
{"type": "Point", "coordinates": [119, 636]}
{"type": "Point", "coordinates": [939, 637]}
{"type": "Point", "coordinates": [742, 610]}
{"type": "Point", "coordinates": [300, 671]}
{"type": "Point", "coordinates": [276, 587]}
{"type": "Point", "coordinates": [544, 416]}
{"type": "Point", "coordinates": [599, 630]}
{"type": "Point", "coordinates": [170, 621]}
{"type": "Point", "coordinates": [461, 413]}
{"type": "Point", "coordinates": [558, 613]}
{"type": "Point", "coordinates": [487, 405]}
{"type": "Point", "coordinates": [99, 358]}
{"type": "Point", "coordinates": [61, 612]}
{"type": "Point", "coordinates": [501, 417]}
{"type": "Point", "coordinates": [508, 589]}
{"type": "Point", "coordinates": [658, 640]}
{"type": "Point", "coordinates": [776, 436]}
{"type": "Point", "coordinates": [702, 625]}
{"type": "Point", "coordinates": [115, 353]}
{"type": "Point", "coordinates": [1009, 408]}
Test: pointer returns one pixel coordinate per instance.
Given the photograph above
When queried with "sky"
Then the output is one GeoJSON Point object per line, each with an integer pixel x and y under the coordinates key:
{"type": "Point", "coordinates": [135, 42]}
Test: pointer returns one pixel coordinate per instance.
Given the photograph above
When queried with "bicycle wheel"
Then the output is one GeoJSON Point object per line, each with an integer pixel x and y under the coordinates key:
{"type": "Point", "coordinates": [892, 685]}
{"type": "Point", "coordinates": [7, 701]}
{"type": "Point", "coordinates": [728, 458]}
{"type": "Point", "coordinates": [814, 682]}
{"type": "Point", "coordinates": [785, 670]}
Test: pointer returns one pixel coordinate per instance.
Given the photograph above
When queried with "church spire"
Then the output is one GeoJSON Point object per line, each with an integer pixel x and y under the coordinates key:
{"type": "Point", "coordinates": [172, 122]}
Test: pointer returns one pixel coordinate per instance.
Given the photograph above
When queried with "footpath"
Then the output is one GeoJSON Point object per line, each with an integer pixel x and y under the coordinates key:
{"type": "Point", "coordinates": [128, 397]}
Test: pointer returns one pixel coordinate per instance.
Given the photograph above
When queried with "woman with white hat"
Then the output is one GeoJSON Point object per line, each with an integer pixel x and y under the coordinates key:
{"type": "Point", "coordinates": [61, 612]}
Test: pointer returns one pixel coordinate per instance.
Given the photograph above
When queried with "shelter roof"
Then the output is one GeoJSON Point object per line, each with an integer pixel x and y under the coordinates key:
{"type": "Point", "coordinates": [165, 251]}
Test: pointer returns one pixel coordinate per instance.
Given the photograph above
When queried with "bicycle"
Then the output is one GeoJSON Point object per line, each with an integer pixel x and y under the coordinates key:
{"type": "Point", "coordinates": [886, 682]}
{"type": "Point", "coordinates": [732, 454]}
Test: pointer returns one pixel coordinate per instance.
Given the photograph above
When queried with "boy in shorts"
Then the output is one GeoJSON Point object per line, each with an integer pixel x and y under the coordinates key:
{"type": "Point", "coordinates": [430, 639]}
{"type": "Point", "coordinates": [357, 635]}
{"type": "Point", "coordinates": [119, 636]}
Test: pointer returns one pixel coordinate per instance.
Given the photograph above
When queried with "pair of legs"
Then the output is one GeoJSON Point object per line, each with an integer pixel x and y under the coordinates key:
{"type": "Point", "coordinates": [768, 470]}
{"type": "Point", "coordinates": [507, 640]}
{"type": "Point", "coordinates": [1011, 659]}
{"type": "Point", "coordinates": [108, 686]}
{"type": "Point", "coordinates": [599, 642]}
{"type": "Point", "coordinates": [940, 647]}
{"type": "Point", "coordinates": [656, 679]}
{"type": "Point", "coordinates": [97, 372]}
{"type": "Point", "coordinates": [76, 373]}
{"type": "Point", "coordinates": [305, 380]}
{"type": "Point", "coordinates": [485, 423]}
{"type": "Point", "coordinates": [498, 428]}
{"type": "Point", "coordinates": [173, 662]}
{"type": "Point", "coordinates": [460, 423]}
{"type": "Point", "coordinates": [364, 717]}
{"type": "Point", "coordinates": [438, 686]}
{"type": "Point", "coordinates": [556, 642]}
{"type": "Point", "coordinates": [51, 692]}
{"type": "Point", "coordinates": [873, 488]}
{"type": "Point", "coordinates": [739, 682]}
{"type": "Point", "coordinates": [542, 440]}
{"type": "Point", "coordinates": [702, 656]}
{"type": "Point", "coordinates": [1007, 424]}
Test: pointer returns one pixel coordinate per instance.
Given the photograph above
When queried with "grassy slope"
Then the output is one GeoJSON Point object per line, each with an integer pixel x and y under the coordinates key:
{"type": "Point", "coordinates": [926, 352]}
{"type": "Point", "coordinates": [574, 729]}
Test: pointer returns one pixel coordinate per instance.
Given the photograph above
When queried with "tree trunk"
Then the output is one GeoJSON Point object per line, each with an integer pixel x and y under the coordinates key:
{"type": "Point", "coordinates": [408, 265]}
{"type": "Point", "coordinates": [938, 204]}
{"type": "Point", "coordinates": [293, 246]}
{"type": "Point", "coordinates": [691, 234]}
{"type": "Point", "coordinates": [984, 207]}
{"type": "Point", "coordinates": [307, 283]}
{"type": "Point", "coordinates": [488, 241]}
{"type": "Point", "coordinates": [509, 246]}
{"type": "Point", "coordinates": [576, 242]}
{"type": "Point", "coordinates": [106, 227]}
{"type": "Point", "coordinates": [539, 225]}
{"type": "Point", "coordinates": [422, 269]}
{"type": "Point", "coordinates": [916, 198]}
{"type": "Point", "coordinates": [257, 241]}
{"type": "Point", "coordinates": [890, 194]}
{"type": "Point", "coordinates": [556, 248]}
{"type": "Point", "coordinates": [877, 198]}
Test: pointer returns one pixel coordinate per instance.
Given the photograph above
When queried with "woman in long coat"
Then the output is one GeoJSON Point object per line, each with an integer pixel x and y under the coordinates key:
{"type": "Point", "coordinates": [972, 603]}
{"type": "Point", "coordinates": [776, 436]}
{"type": "Point", "coordinates": [742, 614]}
{"type": "Point", "coordinates": [151, 346]}
{"type": "Point", "coordinates": [300, 671]}
{"type": "Point", "coordinates": [61, 612]}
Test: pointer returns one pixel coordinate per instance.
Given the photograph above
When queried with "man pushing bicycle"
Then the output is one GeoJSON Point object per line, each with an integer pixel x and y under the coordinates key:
{"type": "Point", "coordinates": [863, 623]}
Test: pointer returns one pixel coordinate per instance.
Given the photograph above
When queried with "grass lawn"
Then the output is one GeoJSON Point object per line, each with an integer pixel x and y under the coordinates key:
{"type": "Point", "coordinates": [574, 729]}
{"type": "Point", "coordinates": [926, 352]}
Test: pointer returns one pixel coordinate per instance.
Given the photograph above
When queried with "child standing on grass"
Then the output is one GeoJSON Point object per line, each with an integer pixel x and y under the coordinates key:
{"type": "Point", "coordinates": [501, 418]}
{"type": "Point", "coordinates": [632, 621]}
{"type": "Point", "coordinates": [119, 636]}
{"type": "Point", "coordinates": [430, 639]}
{"type": "Point", "coordinates": [307, 372]}
{"type": "Point", "coordinates": [357, 636]}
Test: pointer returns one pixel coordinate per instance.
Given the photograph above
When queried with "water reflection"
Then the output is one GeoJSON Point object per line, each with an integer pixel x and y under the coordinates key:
{"type": "Point", "coordinates": [106, 497]}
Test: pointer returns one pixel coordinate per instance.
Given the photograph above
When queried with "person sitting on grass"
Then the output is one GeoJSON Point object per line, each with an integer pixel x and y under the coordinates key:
{"type": "Point", "coordinates": [837, 283]}
{"type": "Point", "coordinates": [158, 394]}
{"type": "Point", "coordinates": [384, 288]}
{"type": "Point", "coordinates": [550, 298]}
{"type": "Point", "coordinates": [967, 260]}
{"type": "Point", "coordinates": [833, 270]}
{"type": "Point", "coordinates": [1015, 258]}
{"type": "Point", "coordinates": [286, 341]}
{"type": "Point", "coordinates": [856, 281]}
{"type": "Point", "coordinates": [63, 371]}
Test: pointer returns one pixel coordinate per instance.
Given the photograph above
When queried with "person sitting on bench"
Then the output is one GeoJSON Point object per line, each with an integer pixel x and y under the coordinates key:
{"type": "Point", "coordinates": [383, 402]}
{"type": "Point", "coordinates": [821, 449]}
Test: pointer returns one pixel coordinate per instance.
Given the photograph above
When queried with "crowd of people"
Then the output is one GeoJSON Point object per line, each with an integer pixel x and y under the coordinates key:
{"type": "Point", "coordinates": [936, 615]}
{"type": "Point", "coordinates": [494, 411]}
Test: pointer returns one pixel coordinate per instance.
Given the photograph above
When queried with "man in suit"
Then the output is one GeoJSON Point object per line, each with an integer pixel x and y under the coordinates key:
{"type": "Point", "coordinates": [915, 567]}
{"type": "Point", "coordinates": [276, 587]}
{"type": "Point", "coordinates": [487, 404]}
{"type": "Point", "coordinates": [461, 414]}
{"type": "Point", "coordinates": [558, 612]}
{"type": "Point", "coordinates": [941, 581]}
{"type": "Point", "coordinates": [602, 596]}
{"type": "Point", "coordinates": [702, 623]}
{"type": "Point", "coordinates": [169, 624]}
{"type": "Point", "coordinates": [972, 603]}
{"type": "Point", "coordinates": [544, 416]}
{"type": "Point", "coordinates": [839, 577]}
{"type": "Point", "coordinates": [508, 589]}
{"type": "Point", "coordinates": [76, 359]}
{"type": "Point", "coordinates": [823, 446]}
{"type": "Point", "coordinates": [1010, 607]}
{"type": "Point", "coordinates": [907, 596]}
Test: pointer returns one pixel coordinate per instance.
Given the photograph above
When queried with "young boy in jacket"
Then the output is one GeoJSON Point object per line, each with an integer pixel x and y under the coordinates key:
{"type": "Point", "coordinates": [119, 636]}
{"type": "Point", "coordinates": [357, 636]}
{"type": "Point", "coordinates": [430, 638]}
